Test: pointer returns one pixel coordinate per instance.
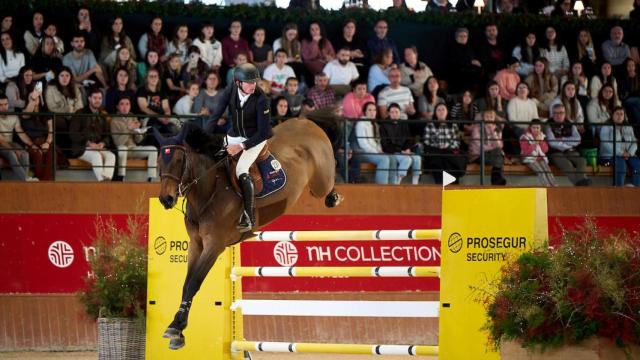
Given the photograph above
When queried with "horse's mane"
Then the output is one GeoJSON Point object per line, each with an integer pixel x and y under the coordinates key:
{"type": "Point", "coordinates": [204, 143]}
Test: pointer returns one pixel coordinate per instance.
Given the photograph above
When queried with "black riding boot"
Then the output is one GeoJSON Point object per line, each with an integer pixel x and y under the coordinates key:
{"type": "Point", "coordinates": [247, 220]}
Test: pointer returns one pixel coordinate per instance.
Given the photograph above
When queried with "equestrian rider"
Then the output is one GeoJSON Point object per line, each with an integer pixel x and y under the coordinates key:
{"type": "Point", "coordinates": [250, 128]}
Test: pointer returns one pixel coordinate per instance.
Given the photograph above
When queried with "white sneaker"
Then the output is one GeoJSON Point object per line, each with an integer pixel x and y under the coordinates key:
{"type": "Point", "coordinates": [630, 185]}
{"type": "Point", "coordinates": [32, 179]}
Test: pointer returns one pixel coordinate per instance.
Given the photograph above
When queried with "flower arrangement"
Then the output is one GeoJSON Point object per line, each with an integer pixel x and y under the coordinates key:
{"type": "Point", "coordinates": [117, 284]}
{"type": "Point", "coordinates": [588, 286]}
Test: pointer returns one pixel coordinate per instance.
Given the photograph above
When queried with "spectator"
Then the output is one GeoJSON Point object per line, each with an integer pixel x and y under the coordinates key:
{"type": "Point", "coordinates": [619, 135]}
{"type": "Point", "coordinates": [154, 40]}
{"type": "Point", "coordinates": [600, 109]}
{"type": "Point", "coordinates": [543, 85]}
{"type": "Point", "coordinates": [184, 105]}
{"type": "Point", "coordinates": [17, 157]}
{"type": "Point", "coordinates": [615, 51]}
{"type": "Point", "coordinates": [234, 44]}
{"type": "Point", "coordinates": [353, 103]}
{"type": "Point", "coordinates": [124, 61]}
{"type": "Point", "coordinates": [278, 72]}
{"type": "Point", "coordinates": [521, 110]}
{"type": "Point", "coordinates": [465, 111]}
{"type": "Point", "coordinates": [341, 72]}
{"type": "Point", "coordinates": [317, 50]}
{"type": "Point", "coordinates": [562, 8]}
{"type": "Point", "coordinates": [398, 5]}
{"type": "Point", "coordinates": [397, 94]}
{"type": "Point", "coordinates": [379, 71]}
{"type": "Point", "coordinates": [47, 62]}
{"type": "Point", "coordinates": [586, 52]}
{"type": "Point", "coordinates": [427, 103]}
{"type": "Point", "coordinates": [381, 41]}
{"type": "Point", "coordinates": [63, 95]}
{"type": "Point", "coordinates": [127, 134]}
{"type": "Point", "coordinates": [492, 53]}
{"type": "Point", "coordinates": [414, 73]}
{"type": "Point", "coordinates": [7, 25]}
{"type": "Point", "coordinates": [442, 147]}
{"type": "Point", "coordinates": [507, 7]}
{"type": "Point", "coordinates": [395, 138]}
{"type": "Point", "coordinates": [533, 148]}
{"type": "Point", "coordinates": [11, 60]}
{"type": "Point", "coordinates": [369, 147]}
{"type": "Point", "coordinates": [51, 30]}
{"type": "Point", "coordinates": [152, 100]}
{"type": "Point", "coordinates": [294, 98]}
{"type": "Point", "coordinates": [82, 25]}
{"type": "Point", "coordinates": [527, 52]}
{"type": "Point", "coordinates": [122, 87]}
{"type": "Point", "coordinates": [38, 130]}
{"type": "Point", "coordinates": [555, 52]}
{"type": "Point", "coordinates": [91, 137]}
{"type": "Point", "coordinates": [307, 108]}
{"type": "Point", "coordinates": [34, 33]}
{"type": "Point", "coordinates": [208, 101]}
{"type": "Point", "coordinates": [196, 68]}
{"type": "Point", "coordinates": [635, 13]}
{"type": "Point", "coordinates": [439, 6]}
{"type": "Point", "coordinates": [493, 101]}
{"type": "Point", "coordinates": [261, 52]}
{"type": "Point", "coordinates": [508, 79]}
{"type": "Point", "coordinates": [351, 40]}
{"type": "Point", "coordinates": [465, 5]}
{"type": "Point", "coordinates": [290, 43]}
{"type": "Point", "coordinates": [173, 79]}
{"type": "Point", "coordinates": [239, 59]}
{"type": "Point", "coordinates": [573, 110]}
{"type": "Point", "coordinates": [629, 90]}
{"type": "Point", "coordinates": [464, 70]}
{"type": "Point", "coordinates": [280, 111]}
{"type": "Point", "coordinates": [605, 75]}
{"type": "Point", "coordinates": [489, 142]}
{"type": "Point", "coordinates": [577, 77]}
{"type": "Point", "coordinates": [563, 138]}
{"type": "Point", "coordinates": [210, 48]}
{"type": "Point", "coordinates": [83, 63]}
{"type": "Point", "coordinates": [321, 94]}
{"type": "Point", "coordinates": [180, 43]}
{"type": "Point", "coordinates": [20, 89]}
{"type": "Point", "coordinates": [265, 86]}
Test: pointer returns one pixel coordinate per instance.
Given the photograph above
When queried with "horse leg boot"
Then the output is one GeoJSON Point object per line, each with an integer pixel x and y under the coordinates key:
{"type": "Point", "coordinates": [247, 220]}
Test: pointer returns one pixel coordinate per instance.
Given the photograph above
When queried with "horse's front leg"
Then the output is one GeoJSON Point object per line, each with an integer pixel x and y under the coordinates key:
{"type": "Point", "coordinates": [196, 276]}
{"type": "Point", "coordinates": [174, 331]}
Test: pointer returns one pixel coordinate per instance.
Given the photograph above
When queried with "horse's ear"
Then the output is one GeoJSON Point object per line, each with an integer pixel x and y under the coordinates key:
{"type": "Point", "coordinates": [159, 138]}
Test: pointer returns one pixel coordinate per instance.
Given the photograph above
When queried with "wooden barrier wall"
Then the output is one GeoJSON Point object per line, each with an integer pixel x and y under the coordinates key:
{"type": "Point", "coordinates": [36, 321]}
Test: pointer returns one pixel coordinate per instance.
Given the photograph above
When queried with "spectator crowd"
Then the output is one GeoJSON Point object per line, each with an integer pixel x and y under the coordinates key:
{"type": "Point", "coordinates": [549, 100]}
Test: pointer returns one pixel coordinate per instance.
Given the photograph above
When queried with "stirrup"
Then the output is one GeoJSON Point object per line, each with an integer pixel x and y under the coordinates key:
{"type": "Point", "coordinates": [246, 223]}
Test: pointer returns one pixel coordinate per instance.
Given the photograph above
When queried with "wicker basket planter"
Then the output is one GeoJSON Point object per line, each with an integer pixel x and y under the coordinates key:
{"type": "Point", "coordinates": [591, 349]}
{"type": "Point", "coordinates": [121, 339]}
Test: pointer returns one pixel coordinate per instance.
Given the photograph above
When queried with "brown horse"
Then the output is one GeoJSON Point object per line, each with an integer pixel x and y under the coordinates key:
{"type": "Point", "coordinates": [188, 167]}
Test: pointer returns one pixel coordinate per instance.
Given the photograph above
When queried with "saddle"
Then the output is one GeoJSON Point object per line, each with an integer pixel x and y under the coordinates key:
{"type": "Point", "coordinates": [254, 172]}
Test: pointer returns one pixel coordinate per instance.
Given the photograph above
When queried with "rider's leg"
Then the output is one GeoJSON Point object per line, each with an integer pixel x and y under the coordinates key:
{"type": "Point", "coordinates": [248, 157]}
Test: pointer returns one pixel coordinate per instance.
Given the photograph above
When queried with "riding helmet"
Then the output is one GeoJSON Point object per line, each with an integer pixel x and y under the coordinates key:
{"type": "Point", "coordinates": [246, 73]}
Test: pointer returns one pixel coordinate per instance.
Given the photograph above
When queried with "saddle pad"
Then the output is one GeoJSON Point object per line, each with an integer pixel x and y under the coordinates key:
{"type": "Point", "coordinates": [273, 176]}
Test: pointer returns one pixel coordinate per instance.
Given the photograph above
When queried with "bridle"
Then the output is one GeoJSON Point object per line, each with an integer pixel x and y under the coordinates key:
{"type": "Point", "coordinates": [181, 187]}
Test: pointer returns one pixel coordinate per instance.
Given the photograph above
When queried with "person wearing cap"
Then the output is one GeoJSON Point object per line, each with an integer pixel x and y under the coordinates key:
{"type": "Point", "coordinates": [250, 128]}
{"type": "Point", "coordinates": [508, 79]}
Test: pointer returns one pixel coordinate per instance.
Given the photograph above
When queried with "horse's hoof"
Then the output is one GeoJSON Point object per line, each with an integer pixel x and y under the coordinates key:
{"type": "Point", "coordinates": [176, 343]}
{"type": "Point", "coordinates": [172, 333]}
{"type": "Point", "coordinates": [333, 199]}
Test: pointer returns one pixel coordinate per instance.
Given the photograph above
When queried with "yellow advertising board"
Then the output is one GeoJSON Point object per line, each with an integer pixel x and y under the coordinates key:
{"type": "Point", "coordinates": [481, 229]}
{"type": "Point", "coordinates": [208, 334]}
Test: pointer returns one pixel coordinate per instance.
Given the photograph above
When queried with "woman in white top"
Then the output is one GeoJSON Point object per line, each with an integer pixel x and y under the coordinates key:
{"type": "Point", "coordinates": [34, 34]}
{"type": "Point", "coordinates": [185, 104]}
{"type": "Point", "coordinates": [568, 97]}
{"type": "Point", "coordinates": [526, 53]}
{"type": "Point", "coordinates": [179, 43]}
{"type": "Point", "coordinates": [605, 75]}
{"type": "Point", "coordinates": [556, 53]}
{"type": "Point", "coordinates": [521, 110]}
{"type": "Point", "coordinates": [10, 59]}
{"type": "Point", "coordinates": [369, 148]}
{"type": "Point", "coordinates": [600, 109]}
{"type": "Point", "coordinates": [210, 48]}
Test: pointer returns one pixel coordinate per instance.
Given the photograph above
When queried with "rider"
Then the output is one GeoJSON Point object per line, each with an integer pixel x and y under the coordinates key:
{"type": "Point", "coordinates": [250, 129]}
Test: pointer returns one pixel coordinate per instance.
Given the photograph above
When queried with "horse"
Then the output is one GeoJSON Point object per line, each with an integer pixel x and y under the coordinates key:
{"type": "Point", "coordinates": [194, 164]}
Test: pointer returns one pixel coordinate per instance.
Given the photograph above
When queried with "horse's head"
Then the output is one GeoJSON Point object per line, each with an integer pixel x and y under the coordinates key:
{"type": "Point", "coordinates": [172, 164]}
{"type": "Point", "coordinates": [175, 161]}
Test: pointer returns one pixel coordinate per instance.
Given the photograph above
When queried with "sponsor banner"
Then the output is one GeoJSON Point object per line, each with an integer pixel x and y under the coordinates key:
{"type": "Point", "coordinates": [47, 253]}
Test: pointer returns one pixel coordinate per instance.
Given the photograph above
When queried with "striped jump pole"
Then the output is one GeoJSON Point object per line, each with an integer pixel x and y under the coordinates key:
{"type": "Point", "coordinates": [355, 349]}
{"type": "Point", "coordinates": [343, 271]}
{"type": "Point", "coordinates": [333, 235]}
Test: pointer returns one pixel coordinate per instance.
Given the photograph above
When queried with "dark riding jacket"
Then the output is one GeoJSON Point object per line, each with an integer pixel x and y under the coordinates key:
{"type": "Point", "coordinates": [251, 121]}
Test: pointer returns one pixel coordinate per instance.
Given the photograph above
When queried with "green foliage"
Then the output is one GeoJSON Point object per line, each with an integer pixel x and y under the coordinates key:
{"type": "Point", "coordinates": [117, 285]}
{"type": "Point", "coordinates": [587, 286]}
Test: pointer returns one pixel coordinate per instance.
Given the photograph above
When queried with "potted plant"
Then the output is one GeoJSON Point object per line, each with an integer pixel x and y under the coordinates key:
{"type": "Point", "coordinates": [115, 291]}
{"type": "Point", "coordinates": [577, 300]}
